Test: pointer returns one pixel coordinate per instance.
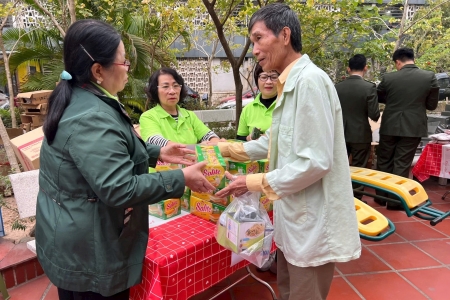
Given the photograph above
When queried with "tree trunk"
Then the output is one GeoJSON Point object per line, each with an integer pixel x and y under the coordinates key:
{"type": "Point", "coordinates": [9, 151]}
{"type": "Point", "coordinates": [210, 59]}
{"type": "Point", "coordinates": [9, 79]}
{"type": "Point", "coordinates": [73, 16]}
{"type": "Point", "coordinates": [398, 43]}
{"type": "Point", "coordinates": [239, 87]}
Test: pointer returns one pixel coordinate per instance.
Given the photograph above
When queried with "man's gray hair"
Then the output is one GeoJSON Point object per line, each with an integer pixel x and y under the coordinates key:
{"type": "Point", "coordinates": [276, 16]}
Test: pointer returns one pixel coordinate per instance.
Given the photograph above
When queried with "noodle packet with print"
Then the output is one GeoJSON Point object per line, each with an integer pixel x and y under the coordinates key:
{"type": "Point", "coordinates": [244, 227]}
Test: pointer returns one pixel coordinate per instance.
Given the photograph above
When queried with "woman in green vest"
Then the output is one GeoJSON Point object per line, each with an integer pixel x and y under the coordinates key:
{"type": "Point", "coordinates": [167, 122]}
{"type": "Point", "coordinates": [256, 116]}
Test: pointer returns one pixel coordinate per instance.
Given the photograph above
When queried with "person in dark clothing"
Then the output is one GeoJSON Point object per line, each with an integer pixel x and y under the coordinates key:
{"type": "Point", "coordinates": [94, 185]}
{"type": "Point", "coordinates": [359, 102]}
{"type": "Point", "coordinates": [408, 94]}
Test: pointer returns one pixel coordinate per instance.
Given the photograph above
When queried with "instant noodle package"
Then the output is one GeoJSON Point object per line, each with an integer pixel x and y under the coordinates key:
{"type": "Point", "coordinates": [214, 173]}
{"type": "Point", "coordinates": [263, 165]}
{"type": "Point", "coordinates": [243, 168]}
{"type": "Point", "coordinates": [185, 199]}
{"type": "Point", "coordinates": [165, 209]}
{"type": "Point", "coordinates": [205, 209]}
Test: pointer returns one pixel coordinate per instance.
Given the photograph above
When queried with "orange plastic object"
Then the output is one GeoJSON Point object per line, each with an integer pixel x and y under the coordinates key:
{"type": "Point", "coordinates": [370, 221]}
{"type": "Point", "coordinates": [411, 192]}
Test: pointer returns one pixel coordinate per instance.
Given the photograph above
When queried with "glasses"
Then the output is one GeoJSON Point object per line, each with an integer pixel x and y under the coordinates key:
{"type": "Point", "coordinates": [126, 63]}
{"type": "Point", "coordinates": [166, 88]}
{"type": "Point", "coordinates": [264, 78]}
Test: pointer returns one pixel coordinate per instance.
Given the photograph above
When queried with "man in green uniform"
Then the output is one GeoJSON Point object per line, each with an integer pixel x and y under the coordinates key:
{"type": "Point", "coordinates": [408, 93]}
{"type": "Point", "coordinates": [359, 102]}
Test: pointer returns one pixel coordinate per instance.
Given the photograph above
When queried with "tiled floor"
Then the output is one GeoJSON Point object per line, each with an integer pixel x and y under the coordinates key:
{"type": "Point", "coordinates": [413, 263]}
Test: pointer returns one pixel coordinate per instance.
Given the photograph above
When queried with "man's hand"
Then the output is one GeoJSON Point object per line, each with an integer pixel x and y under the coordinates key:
{"type": "Point", "coordinates": [195, 180]}
{"type": "Point", "coordinates": [177, 154]}
{"type": "Point", "coordinates": [237, 186]}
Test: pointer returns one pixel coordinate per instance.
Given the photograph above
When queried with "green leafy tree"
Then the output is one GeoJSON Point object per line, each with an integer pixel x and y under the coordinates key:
{"type": "Point", "coordinates": [142, 34]}
{"type": "Point", "coordinates": [5, 11]}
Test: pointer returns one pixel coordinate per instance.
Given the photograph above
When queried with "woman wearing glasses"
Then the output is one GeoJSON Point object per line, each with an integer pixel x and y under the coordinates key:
{"type": "Point", "coordinates": [256, 116]}
{"type": "Point", "coordinates": [167, 122]}
{"type": "Point", "coordinates": [92, 206]}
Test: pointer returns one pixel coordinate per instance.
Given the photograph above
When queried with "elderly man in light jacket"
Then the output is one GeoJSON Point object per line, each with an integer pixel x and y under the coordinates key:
{"type": "Point", "coordinates": [309, 178]}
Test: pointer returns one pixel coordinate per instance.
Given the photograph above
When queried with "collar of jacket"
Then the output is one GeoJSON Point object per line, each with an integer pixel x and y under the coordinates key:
{"type": "Point", "coordinates": [354, 77]}
{"type": "Point", "coordinates": [89, 87]}
{"type": "Point", "coordinates": [409, 66]}
{"type": "Point", "coordinates": [295, 73]}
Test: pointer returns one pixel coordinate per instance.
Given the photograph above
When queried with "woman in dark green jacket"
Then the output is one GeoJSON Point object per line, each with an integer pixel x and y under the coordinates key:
{"type": "Point", "coordinates": [92, 208]}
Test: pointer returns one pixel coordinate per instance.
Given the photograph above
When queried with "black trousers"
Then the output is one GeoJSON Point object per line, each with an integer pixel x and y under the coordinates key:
{"type": "Point", "coordinates": [396, 153]}
{"type": "Point", "coordinates": [69, 295]}
{"type": "Point", "coordinates": [360, 153]}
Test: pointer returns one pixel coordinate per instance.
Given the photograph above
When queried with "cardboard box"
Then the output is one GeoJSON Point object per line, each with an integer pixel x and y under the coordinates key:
{"type": "Point", "coordinates": [242, 235]}
{"type": "Point", "coordinates": [268, 204]}
{"type": "Point", "coordinates": [263, 165]}
{"type": "Point", "coordinates": [186, 200]}
{"type": "Point", "coordinates": [243, 168]}
{"type": "Point", "coordinates": [36, 97]}
{"type": "Point", "coordinates": [35, 109]}
{"type": "Point", "coordinates": [34, 120]}
{"type": "Point", "coordinates": [25, 126]}
{"type": "Point", "coordinates": [12, 133]}
{"type": "Point", "coordinates": [27, 148]}
{"type": "Point", "coordinates": [205, 209]}
{"type": "Point", "coordinates": [214, 171]}
{"type": "Point", "coordinates": [165, 209]}
{"type": "Point", "coordinates": [210, 197]}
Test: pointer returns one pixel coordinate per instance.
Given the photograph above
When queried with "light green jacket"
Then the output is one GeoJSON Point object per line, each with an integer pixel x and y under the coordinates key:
{"type": "Point", "coordinates": [315, 220]}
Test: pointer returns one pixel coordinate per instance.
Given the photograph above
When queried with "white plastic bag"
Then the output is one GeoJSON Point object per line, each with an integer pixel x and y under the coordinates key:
{"type": "Point", "coordinates": [244, 227]}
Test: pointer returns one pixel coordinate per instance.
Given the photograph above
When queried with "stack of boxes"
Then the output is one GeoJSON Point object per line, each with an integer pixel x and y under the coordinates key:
{"type": "Point", "coordinates": [207, 205]}
{"type": "Point", "coordinates": [34, 106]}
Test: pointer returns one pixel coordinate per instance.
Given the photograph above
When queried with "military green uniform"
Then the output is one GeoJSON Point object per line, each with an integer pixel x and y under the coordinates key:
{"type": "Point", "coordinates": [408, 93]}
{"type": "Point", "coordinates": [359, 102]}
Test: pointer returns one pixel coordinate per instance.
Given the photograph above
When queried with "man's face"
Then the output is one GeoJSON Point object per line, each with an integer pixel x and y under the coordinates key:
{"type": "Point", "coordinates": [268, 49]}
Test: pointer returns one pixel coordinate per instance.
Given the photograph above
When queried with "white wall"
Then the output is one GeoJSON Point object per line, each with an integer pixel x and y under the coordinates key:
{"type": "Point", "coordinates": [223, 82]}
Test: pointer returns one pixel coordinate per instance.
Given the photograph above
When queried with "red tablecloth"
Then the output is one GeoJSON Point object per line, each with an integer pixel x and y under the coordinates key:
{"type": "Point", "coordinates": [434, 161]}
{"type": "Point", "coordinates": [183, 259]}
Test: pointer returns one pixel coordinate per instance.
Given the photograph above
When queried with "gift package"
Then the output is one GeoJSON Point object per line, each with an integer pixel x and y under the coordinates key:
{"type": "Point", "coordinates": [244, 227]}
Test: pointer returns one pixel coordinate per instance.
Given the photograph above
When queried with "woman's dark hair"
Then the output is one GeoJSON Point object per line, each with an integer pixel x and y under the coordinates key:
{"type": "Point", "coordinates": [152, 88]}
{"type": "Point", "coordinates": [258, 70]}
{"type": "Point", "coordinates": [101, 41]}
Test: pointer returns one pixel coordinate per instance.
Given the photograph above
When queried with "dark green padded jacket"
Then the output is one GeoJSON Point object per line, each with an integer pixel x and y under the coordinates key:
{"type": "Point", "coordinates": [94, 171]}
